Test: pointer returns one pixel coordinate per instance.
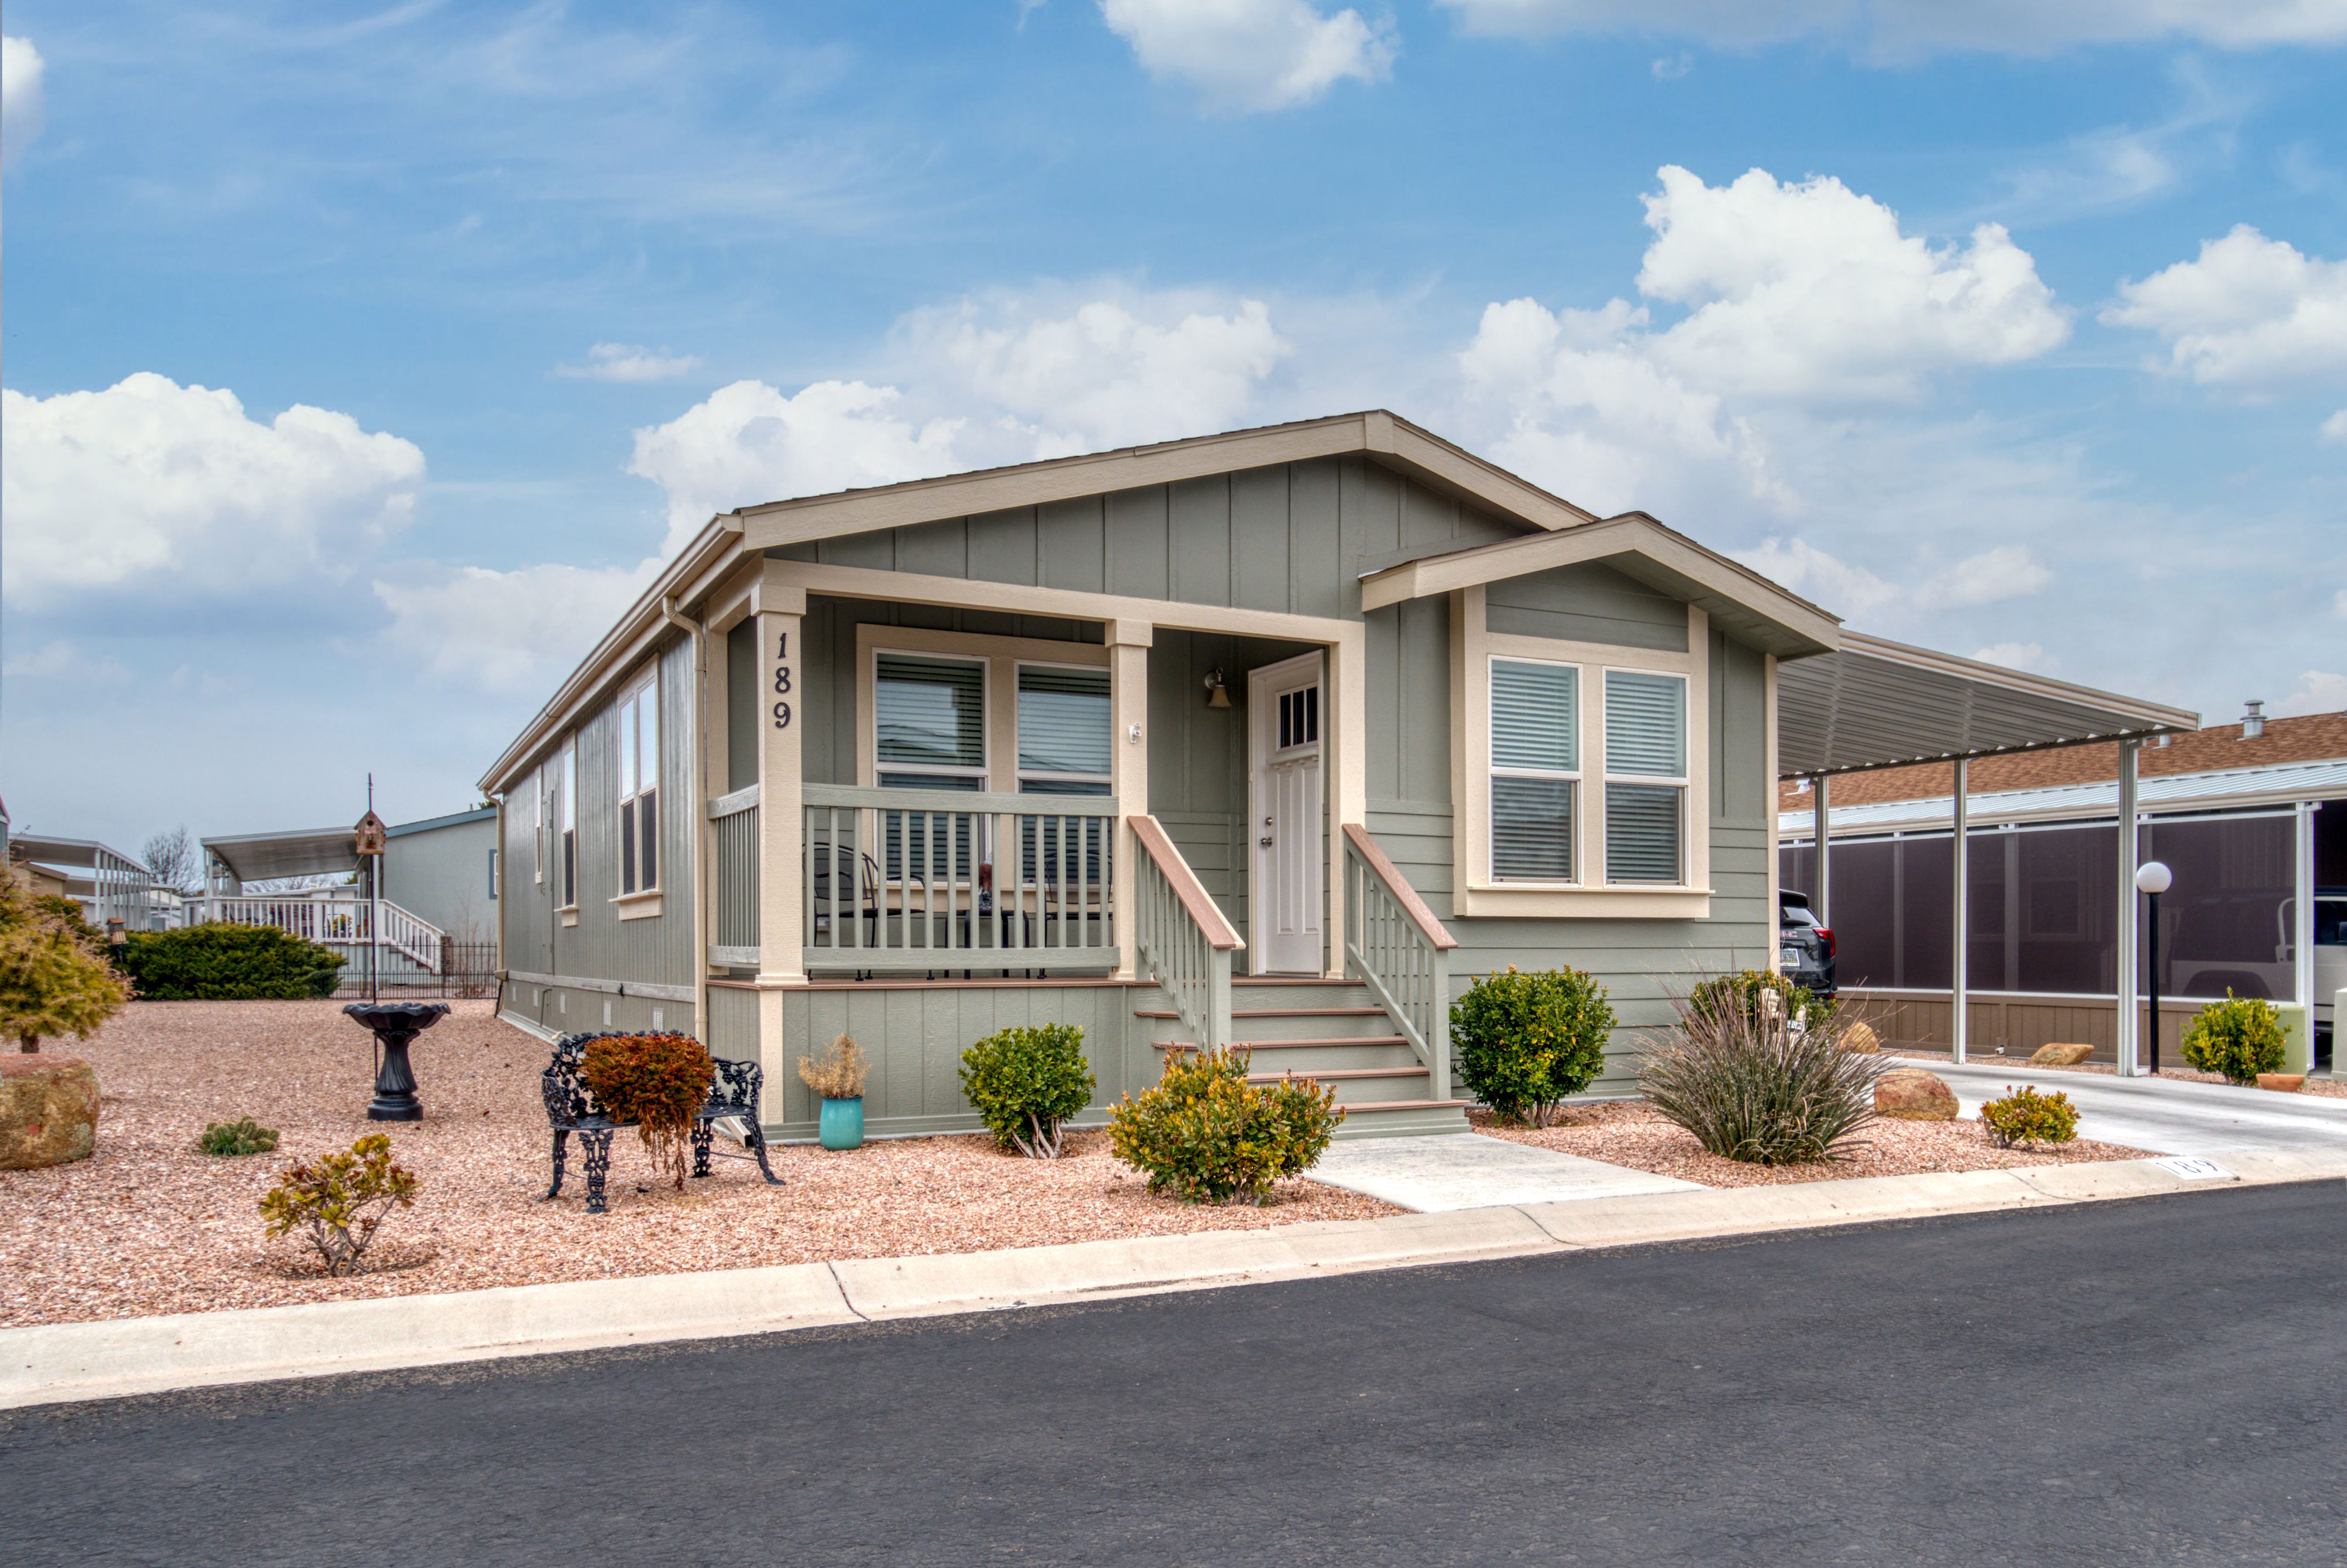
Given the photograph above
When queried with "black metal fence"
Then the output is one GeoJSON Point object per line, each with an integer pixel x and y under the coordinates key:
{"type": "Point", "coordinates": [466, 969]}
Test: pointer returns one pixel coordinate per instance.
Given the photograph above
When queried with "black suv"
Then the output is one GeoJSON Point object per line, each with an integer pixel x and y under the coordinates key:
{"type": "Point", "coordinates": [1805, 950]}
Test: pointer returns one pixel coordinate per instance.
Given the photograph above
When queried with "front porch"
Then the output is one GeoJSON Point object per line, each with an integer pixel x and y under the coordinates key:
{"type": "Point", "coordinates": [869, 873]}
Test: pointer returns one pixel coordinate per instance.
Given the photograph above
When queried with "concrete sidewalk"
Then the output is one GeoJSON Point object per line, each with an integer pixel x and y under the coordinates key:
{"type": "Point", "coordinates": [1446, 1170]}
{"type": "Point", "coordinates": [2165, 1115]}
{"type": "Point", "coordinates": [62, 1362]}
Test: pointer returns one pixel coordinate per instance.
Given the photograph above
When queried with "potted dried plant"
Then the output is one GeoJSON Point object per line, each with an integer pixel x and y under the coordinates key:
{"type": "Point", "coordinates": [838, 1076]}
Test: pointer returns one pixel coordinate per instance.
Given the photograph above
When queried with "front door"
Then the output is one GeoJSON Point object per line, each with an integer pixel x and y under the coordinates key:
{"type": "Point", "coordinates": [1284, 763]}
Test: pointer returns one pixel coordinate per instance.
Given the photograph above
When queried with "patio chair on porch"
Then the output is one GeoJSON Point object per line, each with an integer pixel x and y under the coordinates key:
{"type": "Point", "coordinates": [863, 903]}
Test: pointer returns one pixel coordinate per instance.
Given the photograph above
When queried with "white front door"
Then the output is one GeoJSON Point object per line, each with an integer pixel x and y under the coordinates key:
{"type": "Point", "coordinates": [1284, 766]}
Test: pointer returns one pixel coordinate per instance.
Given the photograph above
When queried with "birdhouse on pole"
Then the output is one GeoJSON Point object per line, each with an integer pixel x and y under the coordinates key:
{"type": "Point", "coordinates": [372, 830]}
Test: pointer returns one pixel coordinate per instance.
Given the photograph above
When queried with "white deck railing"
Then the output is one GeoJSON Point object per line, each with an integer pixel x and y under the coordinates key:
{"type": "Point", "coordinates": [338, 923]}
{"type": "Point", "coordinates": [1395, 946]}
{"type": "Point", "coordinates": [913, 879]}
{"type": "Point", "coordinates": [1181, 938]}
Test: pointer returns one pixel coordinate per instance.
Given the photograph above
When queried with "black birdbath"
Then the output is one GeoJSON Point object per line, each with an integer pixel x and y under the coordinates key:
{"type": "Point", "coordinates": [396, 1024]}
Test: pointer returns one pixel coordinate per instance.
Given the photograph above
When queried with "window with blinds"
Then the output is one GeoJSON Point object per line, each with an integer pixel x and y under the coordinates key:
{"type": "Point", "coordinates": [1535, 769]}
{"type": "Point", "coordinates": [1063, 731]}
{"type": "Point", "coordinates": [1646, 776]}
{"type": "Point", "coordinates": [930, 723]}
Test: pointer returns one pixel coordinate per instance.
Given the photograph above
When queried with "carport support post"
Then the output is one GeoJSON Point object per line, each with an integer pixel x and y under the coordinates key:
{"type": "Point", "coordinates": [2128, 1037]}
{"type": "Point", "coordinates": [1819, 904]}
{"type": "Point", "coordinates": [1962, 877]}
{"type": "Point", "coordinates": [2302, 931]}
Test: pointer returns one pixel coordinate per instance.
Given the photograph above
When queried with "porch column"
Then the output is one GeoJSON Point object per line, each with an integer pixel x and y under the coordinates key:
{"type": "Point", "coordinates": [1129, 642]}
{"type": "Point", "coordinates": [1957, 1022]}
{"type": "Point", "coordinates": [782, 941]}
{"type": "Point", "coordinates": [1345, 729]}
{"type": "Point", "coordinates": [2128, 1036]}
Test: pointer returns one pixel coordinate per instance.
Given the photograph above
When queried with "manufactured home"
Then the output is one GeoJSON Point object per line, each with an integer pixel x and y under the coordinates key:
{"type": "Point", "coordinates": [1275, 737]}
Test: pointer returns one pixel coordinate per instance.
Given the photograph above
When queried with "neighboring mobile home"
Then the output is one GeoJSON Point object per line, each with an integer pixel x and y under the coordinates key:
{"type": "Point", "coordinates": [1277, 736]}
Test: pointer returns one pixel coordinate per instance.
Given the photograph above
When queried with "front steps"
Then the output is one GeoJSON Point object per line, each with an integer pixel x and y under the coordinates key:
{"type": "Point", "coordinates": [1332, 1032]}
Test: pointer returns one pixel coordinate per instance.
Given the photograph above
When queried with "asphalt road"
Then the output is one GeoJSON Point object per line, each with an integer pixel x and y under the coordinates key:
{"type": "Point", "coordinates": [2161, 1382]}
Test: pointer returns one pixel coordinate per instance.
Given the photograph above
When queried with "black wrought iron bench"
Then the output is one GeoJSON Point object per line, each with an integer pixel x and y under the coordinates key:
{"type": "Point", "coordinates": [734, 1091]}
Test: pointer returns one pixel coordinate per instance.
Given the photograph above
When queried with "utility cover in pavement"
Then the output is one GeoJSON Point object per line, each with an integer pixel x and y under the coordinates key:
{"type": "Point", "coordinates": [1468, 1170]}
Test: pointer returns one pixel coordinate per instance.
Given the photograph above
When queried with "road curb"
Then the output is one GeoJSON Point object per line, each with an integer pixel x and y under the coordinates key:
{"type": "Point", "coordinates": [60, 1363]}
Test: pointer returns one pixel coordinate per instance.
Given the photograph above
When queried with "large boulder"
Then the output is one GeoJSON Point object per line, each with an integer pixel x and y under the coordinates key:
{"type": "Point", "coordinates": [49, 1111]}
{"type": "Point", "coordinates": [2057, 1054]}
{"type": "Point", "coordinates": [1911, 1094]}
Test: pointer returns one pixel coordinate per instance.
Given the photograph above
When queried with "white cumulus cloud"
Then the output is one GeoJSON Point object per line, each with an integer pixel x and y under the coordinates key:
{"type": "Point", "coordinates": [505, 631]}
{"type": "Point", "coordinates": [1250, 55]}
{"type": "Point", "coordinates": [2250, 313]}
{"type": "Point", "coordinates": [2008, 571]}
{"type": "Point", "coordinates": [1809, 292]}
{"type": "Point", "coordinates": [629, 361]}
{"type": "Point", "coordinates": [1849, 590]}
{"type": "Point", "coordinates": [2334, 429]}
{"type": "Point", "coordinates": [150, 485]}
{"type": "Point", "coordinates": [2319, 692]}
{"type": "Point", "coordinates": [1824, 578]}
{"type": "Point", "coordinates": [21, 102]}
{"type": "Point", "coordinates": [747, 442]}
{"type": "Point", "coordinates": [1904, 29]}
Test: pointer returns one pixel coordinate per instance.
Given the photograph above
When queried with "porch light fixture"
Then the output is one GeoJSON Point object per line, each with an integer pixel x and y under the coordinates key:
{"type": "Point", "coordinates": [2151, 880]}
{"type": "Point", "coordinates": [1217, 696]}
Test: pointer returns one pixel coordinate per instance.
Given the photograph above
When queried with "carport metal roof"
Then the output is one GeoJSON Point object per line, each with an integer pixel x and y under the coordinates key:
{"type": "Point", "coordinates": [1875, 703]}
{"type": "Point", "coordinates": [260, 856]}
{"type": "Point", "coordinates": [48, 850]}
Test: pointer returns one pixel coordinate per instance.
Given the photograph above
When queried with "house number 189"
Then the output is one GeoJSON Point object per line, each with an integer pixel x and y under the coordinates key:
{"type": "Point", "coordinates": [783, 682]}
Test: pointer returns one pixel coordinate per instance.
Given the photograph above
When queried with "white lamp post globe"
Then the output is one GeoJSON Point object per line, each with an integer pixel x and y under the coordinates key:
{"type": "Point", "coordinates": [2153, 878]}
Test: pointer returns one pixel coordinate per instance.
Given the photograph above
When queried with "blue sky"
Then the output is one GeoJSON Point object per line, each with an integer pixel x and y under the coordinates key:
{"type": "Point", "coordinates": [362, 360]}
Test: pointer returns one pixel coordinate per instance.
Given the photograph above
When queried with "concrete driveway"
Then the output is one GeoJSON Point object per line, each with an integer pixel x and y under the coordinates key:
{"type": "Point", "coordinates": [2165, 1115]}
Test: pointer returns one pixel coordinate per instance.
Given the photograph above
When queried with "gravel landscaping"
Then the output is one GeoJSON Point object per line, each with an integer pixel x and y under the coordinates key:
{"type": "Point", "coordinates": [1632, 1132]}
{"type": "Point", "coordinates": [149, 1225]}
{"type": "Point", "coordinates": [2329, 1088]}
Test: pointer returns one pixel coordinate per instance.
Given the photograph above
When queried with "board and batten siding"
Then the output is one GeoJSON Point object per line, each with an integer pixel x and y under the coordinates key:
{"type": "Point", "coordinates": [655, 949]}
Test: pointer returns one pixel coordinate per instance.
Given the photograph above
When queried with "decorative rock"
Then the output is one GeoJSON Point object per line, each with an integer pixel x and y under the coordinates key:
{"type": "Point", "coordinates": [1859, 1040]}
{"type": "Point", "coordinates": [2060, 1055]}
{"type": "Point", "coordinates": [49, 1111]}
{"type": "Point", "coordinates": [1911, 1094]}
{"type": "Point", "coordinates": [2282, 1082]}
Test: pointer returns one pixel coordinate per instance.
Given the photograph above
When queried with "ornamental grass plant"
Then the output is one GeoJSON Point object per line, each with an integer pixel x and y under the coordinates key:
{"type": "Point", "coordinates": [660, 1082]}
{"type": "Point", "coordinates": [1752, 1087]}
{"type": "Point", "coordinates": [839, 1072]}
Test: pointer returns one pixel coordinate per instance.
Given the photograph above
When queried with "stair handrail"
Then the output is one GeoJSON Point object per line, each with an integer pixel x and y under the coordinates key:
{"type": "Point", "coordinates": [1181, 937]}
{"type": "Point", "coordinates": [1396, 946]}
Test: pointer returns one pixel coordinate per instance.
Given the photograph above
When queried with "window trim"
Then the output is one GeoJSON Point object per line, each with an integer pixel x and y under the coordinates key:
{"type": "Point", "coordinates": [1002, 655]}
{"type": "Point", "coordinates": [622, 861]}
{"type": "Point", "coordinates": [1476, 892]}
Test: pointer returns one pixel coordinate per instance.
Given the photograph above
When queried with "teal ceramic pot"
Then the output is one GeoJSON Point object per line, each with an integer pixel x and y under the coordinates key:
{"type": "Point", "coordinates": [843, 1123]}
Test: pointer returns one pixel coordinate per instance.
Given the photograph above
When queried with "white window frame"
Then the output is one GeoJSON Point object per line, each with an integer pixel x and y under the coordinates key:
{"type": "Point", "coordinates": [1683, 783]}
{"type": "Point", "coordinates": [1106, 779]}
{"type": "Point", "coordinates": [1002, 655]}
{"type": "Point", "coordinates": [1476, 893]}
{"type": "Point", "coordinates": [983, 773]}
{"type": "Point", "coordinates": [1494, 769]}
{"type": "Point", "coordinates": [631, 785]}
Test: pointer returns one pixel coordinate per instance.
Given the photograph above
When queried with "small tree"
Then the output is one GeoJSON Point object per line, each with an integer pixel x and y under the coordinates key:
{"type": "Point", "coordinates": [53, 980]}
{"type": "Point", "coordinates": [172, 860]}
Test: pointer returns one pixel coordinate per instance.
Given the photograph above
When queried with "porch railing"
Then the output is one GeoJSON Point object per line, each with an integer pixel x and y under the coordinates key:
{"type": "Point", "coordinates": [1395, 946]}
{"type": "Point", "coordinates": [1181, 938]}
{"type": "Point", "coordinates": [733, 879]}
{"type": "Point", "coordinates": [340, 923]}
{"type": "Point", "coordinates": [916, 879]}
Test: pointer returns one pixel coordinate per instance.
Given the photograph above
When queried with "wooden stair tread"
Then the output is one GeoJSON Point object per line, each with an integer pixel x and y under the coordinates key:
{"type": "Point", "coordinates": [1334, 1073]}
{"type": "Point", "coordinates": [1368, 1105]}
{"type": "Point", "coordinates": [1316, 1044]}
{"type": "Point", "coordinates": [1274, 1012]}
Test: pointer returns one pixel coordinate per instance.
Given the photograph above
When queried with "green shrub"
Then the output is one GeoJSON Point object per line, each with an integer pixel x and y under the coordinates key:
{"type": "Point", "coordinates": [658, 1081]}
{"type": "Point", "coordinates": [1204, 1134]}
{"type": "Point", "coordinates": [1525, 1042]}
{"type": "Point", "coordinates": [1026, 1082]}
{"type": "Point", "coordinates": [217, 961]}
{"type": "Point", "coordinates": [245, 1137]}
{"type": "Point", "coordinates": [341, 1199]}
{"type": "Point", "coordinates": [1751, 1087]}
{"type": "Point", "coordinates": [1746, 988]}
{"type": "Point", "coordinates": [2237, 1039]}
{"type": "Point", "coordinates": [2025, 1116]}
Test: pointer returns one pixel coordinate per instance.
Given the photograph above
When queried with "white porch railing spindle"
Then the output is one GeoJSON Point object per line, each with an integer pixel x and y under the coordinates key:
{"type": "Point", "coordinates": [1395, 946]}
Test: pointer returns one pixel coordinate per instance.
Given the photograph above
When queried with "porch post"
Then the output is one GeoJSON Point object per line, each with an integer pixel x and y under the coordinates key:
{"type": "Point", "coordinates": [1957, 1021]}
{"type": "Point", "coordinates": [2128, 1036]}
{"type": "Point", "coordinates": [782, 944]}
{"type": "Point", "coordinates": [2301, 928]}
{"type": "Point", "coordinates": [1129, 643]}
{"type": "Point", "coordinates": [1820, 903]}
{"type": "Point", "coordinates": [1346, 732]}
